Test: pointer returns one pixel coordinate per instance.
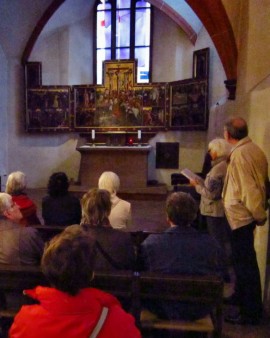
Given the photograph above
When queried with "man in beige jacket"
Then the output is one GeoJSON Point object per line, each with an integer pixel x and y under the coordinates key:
{"type": "Point", "coordinates": [244, 196]}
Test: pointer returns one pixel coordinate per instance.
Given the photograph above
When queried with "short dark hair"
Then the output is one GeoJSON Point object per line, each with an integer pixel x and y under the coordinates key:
{"type": "Point", "coordinates": [96, 207]}
{"type": "Point", "coordinates": [237, 128]}
{"type": "Point", "coordinates": [181, 208]}
{"type": "Point", "coordinates": [68, 260]}
{"type": "Point", "coordinates": [58, 184]}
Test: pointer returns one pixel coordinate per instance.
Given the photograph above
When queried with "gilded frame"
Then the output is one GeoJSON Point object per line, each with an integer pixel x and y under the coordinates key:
{"type": "Point", "coordinates": [189, 105]}
{"type": "Point", "coordinates": [48, 108]}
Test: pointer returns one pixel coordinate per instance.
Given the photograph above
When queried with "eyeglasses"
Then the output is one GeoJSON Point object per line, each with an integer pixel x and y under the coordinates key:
{"type": "Point", "coordinates": [13, 205]}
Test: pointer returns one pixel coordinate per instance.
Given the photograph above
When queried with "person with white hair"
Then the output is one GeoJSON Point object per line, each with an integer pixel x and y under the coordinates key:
{"type": "Point", "coordinates": [120, 216]}
{"type": "Point", "coordinates": [211, 204]}
{"type": "Point", "coordinates": [16, 186]}
{"type": "Point", "coordinates": [19, 244]}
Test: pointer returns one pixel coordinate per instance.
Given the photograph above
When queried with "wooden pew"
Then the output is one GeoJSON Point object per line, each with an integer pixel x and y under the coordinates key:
{"type": "Point", "coordinates": [13, 280]}
{"type": "Point", "coordinates": [16, 278]}
{"type": "Point", "coordinates": [207, 290]}
{"type": "Point", "coordinates": [132, 289]}
{"type": "Point", "coordinates": [49, 231]}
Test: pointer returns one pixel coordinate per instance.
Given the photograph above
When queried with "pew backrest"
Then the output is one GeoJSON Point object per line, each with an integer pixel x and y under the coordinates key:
{"type": "Point", "coordinates": [207, 290]}
{"type": "Point", "coordinates": [135, 288]}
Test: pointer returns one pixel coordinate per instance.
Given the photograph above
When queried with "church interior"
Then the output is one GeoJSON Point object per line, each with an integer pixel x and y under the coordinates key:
{"type": "Point", "coordinates": [212, 55]}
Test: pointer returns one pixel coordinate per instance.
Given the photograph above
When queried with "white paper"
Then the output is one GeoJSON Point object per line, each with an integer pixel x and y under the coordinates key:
{"type": "Point", "coordinates": [139, 134]}
{"type": "Point", "coordinates": [191, 175]}
{"type": "Point", "coordinates": [93, 134]}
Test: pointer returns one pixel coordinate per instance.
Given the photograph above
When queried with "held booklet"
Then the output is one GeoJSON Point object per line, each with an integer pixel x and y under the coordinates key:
{"type": "Point", "coordinates": [191, 175]}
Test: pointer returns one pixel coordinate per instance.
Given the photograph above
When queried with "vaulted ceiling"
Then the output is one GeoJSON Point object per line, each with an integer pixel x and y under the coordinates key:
{"type": "Point", "coordinates": [190, 15]}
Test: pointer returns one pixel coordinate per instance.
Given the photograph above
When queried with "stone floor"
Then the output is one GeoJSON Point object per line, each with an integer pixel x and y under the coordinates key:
{"type": "Point", "coordinates": [150, 215]}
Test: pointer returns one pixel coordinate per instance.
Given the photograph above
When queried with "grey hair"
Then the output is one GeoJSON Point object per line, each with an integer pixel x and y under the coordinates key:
{"type": "Point", "coordinates": [109, 181]}
{"type": "Point", "coordinates": [5, 202]}
{"type": "Point", "coordinates": [220, 146]}
{"type": "Point", "coordinates": [16, 182]}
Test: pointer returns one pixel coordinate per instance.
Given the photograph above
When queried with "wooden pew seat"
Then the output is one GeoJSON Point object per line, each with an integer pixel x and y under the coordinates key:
{"type": "Point", "coordinates": [206, 290]}
{"type": "Point", "coordinates": [148, 321]}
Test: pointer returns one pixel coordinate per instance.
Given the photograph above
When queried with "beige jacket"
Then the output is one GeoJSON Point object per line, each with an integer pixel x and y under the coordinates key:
{"type": "Point", "coordinates": [244, 191]}
{"type": "Point", "coordinates": [120, 216]}
{"type": "Point", "coordinates": [211, 202]}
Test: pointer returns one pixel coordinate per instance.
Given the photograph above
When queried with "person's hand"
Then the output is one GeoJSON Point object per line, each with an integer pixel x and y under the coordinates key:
{"type": "Point", "coordinates": [193, 182]}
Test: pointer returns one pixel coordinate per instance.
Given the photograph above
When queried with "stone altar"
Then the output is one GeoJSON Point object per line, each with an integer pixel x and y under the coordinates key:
{"type": "Point", "coordinates": [130, 163]}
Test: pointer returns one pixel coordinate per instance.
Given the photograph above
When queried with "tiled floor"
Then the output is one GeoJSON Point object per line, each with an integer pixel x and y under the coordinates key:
{"type": "Point", "coordinates": [150, 215]}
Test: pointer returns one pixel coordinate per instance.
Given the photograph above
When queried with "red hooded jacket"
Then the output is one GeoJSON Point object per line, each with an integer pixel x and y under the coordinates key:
{"type": "Point", "coordinates": [62, 315]}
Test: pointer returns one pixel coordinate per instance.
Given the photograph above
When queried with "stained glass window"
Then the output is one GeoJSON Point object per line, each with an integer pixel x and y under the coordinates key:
{"type": "Point", "coordinates": [123, 31]}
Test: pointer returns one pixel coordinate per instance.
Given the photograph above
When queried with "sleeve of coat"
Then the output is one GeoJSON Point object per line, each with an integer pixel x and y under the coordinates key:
{"type": "Point", "coordinates": [251, 194]}
{"type": "Point", "coordinates": [212, 187]}
{"type": "Point", "coordinates": [31, 246]}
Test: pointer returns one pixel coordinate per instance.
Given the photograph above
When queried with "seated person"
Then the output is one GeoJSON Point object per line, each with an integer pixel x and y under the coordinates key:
{"type": "Point", "coordinates": [181, 249]}
{"type": "Point", "coordinates": [70, 308]}
{"type": "Point", "coordinates": [115, 247]}
{"type": "Point", "coordinates": [60, 207]}
{"type": "Point", "coordinates": [120, 216]}
{"type": "Point", "coordinates": [16, 185]}
{"type": "Point", "coordinates": [18, 244]}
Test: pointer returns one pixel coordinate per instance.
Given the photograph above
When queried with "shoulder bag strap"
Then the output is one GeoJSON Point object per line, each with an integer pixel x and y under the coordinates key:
{"type": "Point", "coordinates": [107, 257]}
{"type": "Point", "coordinates": [100, 323]}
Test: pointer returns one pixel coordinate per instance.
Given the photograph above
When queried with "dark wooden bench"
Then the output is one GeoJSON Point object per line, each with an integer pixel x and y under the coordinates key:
{"type": "Point", "coordinates": [207, 290]}
{"type": "Point", "coordinates": [133, 288]}
{"type": "Point", "coordinates": [49, 231]}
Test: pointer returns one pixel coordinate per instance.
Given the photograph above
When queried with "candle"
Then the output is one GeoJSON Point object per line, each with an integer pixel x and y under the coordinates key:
{"type": "Point", "coordinates": [139, 134]}
{"type": "Point", "coordinates": [93, 134]}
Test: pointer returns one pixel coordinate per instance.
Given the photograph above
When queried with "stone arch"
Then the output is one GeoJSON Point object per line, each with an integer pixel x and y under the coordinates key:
{"type": "Point", "coordinates": [215, 19]}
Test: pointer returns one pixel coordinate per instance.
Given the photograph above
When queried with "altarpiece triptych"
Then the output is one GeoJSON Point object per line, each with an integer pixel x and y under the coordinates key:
{"type": "Point", "coordinates": [120, 104]}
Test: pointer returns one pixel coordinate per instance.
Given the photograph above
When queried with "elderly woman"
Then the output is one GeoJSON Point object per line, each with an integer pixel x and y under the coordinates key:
{"type": "Point", "coordinates": [211, 204]}
{"type": "Point", "coordinates": [16, 185]}
{"type": "Point", "coordinates": [120, 216]}
{"type": "Point", "coordinates": [115, 247]}
{"type": "Point", "coordinates": [70, 308]}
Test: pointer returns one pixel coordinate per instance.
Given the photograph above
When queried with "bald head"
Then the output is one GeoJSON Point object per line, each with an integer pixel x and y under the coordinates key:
{"type": "Point", "coordinates": [236, 129]}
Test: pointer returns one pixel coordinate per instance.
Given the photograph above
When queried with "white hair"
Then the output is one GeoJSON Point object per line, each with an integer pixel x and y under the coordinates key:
{"type": "Point", "coordinates": [220, 146]}
{"type": "Point", "coordinates": [109, 181]}
{"type": "Point", "coordinates": [5, 202]}
{"type": "Point", "coordinates": [16, 182]}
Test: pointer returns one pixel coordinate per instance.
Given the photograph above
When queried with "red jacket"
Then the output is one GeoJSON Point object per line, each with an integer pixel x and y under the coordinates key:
{"type": "Point", "coordinates": [61, 315]}
{"type": "Point", "coordinates": [28, 209]}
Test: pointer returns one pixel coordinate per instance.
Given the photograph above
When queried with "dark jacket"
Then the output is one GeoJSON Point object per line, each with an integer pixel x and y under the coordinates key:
{"type": "Point", "coordinates": [61, 210]}
{"type": "Point", "coordinates": [115, 249]}
{"type": "Point", "coordinates": [182, 250]}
